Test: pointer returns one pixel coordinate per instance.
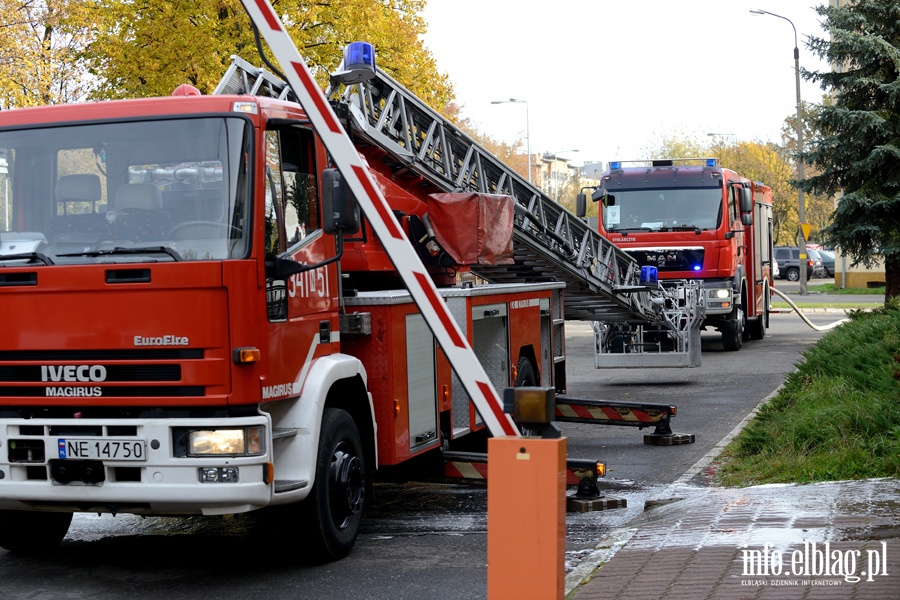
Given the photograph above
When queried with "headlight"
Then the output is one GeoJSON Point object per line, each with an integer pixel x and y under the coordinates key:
{"type": "Point", "coordinates": [720, 293]}
{"type": "Point", "coordinates": [244, 441]}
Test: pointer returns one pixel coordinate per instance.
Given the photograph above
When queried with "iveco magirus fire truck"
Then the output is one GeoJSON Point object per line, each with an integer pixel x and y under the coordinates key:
{"type": "Point", "coordinates": [199, 322]}
{"type": "Point", "coordinates": [693, 219]}
{"type": "Point", "coordinates": [196, 323]}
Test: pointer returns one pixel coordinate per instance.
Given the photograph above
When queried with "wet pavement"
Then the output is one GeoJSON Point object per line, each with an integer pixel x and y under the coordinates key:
{"type": "Point", "coordinates": [823, 540]}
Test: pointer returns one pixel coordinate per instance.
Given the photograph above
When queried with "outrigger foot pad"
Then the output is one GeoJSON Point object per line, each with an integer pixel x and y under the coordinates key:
{"type": "Point", "coordinates": [574, 504]}
{"type": "Point", "coordinates": [670, 439]}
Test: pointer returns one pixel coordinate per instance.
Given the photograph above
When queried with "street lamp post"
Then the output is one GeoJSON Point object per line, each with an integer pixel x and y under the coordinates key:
{"type": "Point", "coordinates": [801, 209]}
{"type": "Point", "coordinates": [527, 128]}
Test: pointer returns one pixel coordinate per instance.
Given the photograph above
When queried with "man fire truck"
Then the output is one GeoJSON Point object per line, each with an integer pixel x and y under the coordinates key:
{"type": "Point", "coordinates": [701, 222]}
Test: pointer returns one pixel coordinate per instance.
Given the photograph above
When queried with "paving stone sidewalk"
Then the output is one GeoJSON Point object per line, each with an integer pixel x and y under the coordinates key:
{"type": "Point", "coordinates": [836, 540]}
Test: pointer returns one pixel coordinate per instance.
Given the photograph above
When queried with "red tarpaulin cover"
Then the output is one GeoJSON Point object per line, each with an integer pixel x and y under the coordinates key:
{"type": "Point", "coordinates": [473, 228]}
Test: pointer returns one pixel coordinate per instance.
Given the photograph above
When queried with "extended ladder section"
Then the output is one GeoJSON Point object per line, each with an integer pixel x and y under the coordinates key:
{"type": "Point", "coordinates": [550, 243]}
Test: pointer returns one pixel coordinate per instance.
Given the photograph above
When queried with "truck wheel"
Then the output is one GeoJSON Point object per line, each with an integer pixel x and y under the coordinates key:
{"type": "Point", "coordinates": [333, 510]}
{"type": "Point", "coordinates": [793, 274]}
{"type": "Point", "coordinates": [733, 330]}
{"type": "Point", "coordinates": [30, 532]}
{"type": "Point", "coordinates": [525, 373]}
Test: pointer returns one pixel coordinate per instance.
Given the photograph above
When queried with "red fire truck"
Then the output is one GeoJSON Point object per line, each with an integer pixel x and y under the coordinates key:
{"type": "Point", "coordinates": [196, 322]}
{"type": "Point", "coordinates": [693, 219]}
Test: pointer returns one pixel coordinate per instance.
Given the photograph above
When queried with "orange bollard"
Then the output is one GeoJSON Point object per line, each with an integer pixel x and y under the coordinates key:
{"type": "Point", "coordinates": [526, 518]}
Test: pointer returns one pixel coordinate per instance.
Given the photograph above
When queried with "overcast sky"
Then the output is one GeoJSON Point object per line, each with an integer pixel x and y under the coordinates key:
{"type": "Point", "coordinates": [609, 78]}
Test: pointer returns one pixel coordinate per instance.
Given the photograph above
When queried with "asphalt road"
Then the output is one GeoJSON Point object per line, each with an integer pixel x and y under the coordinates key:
{"type": "Point", "coordinates": [420, 539]}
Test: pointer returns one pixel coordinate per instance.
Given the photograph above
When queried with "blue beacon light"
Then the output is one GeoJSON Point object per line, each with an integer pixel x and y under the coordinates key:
{"type": "Point", "coordinates": [359, 54]}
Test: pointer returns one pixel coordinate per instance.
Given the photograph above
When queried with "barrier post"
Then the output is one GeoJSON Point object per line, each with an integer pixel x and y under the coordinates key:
{"type": "Point", "coordinates": [526, 518]}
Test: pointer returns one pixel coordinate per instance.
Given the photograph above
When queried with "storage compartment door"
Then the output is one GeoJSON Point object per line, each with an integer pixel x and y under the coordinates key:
{"type": "Point", "coordinates": [421, 382]}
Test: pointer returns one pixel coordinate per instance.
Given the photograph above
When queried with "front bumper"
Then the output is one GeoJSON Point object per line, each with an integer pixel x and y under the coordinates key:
{"type": "Point", "coordinates": [160, 484]}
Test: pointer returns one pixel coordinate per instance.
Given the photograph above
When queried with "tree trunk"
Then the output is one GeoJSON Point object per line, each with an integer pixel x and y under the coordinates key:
{"type": "Point", "coordinates": [892, 279]}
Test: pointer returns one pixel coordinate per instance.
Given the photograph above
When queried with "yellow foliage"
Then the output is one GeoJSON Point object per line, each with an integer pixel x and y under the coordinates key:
{"type": "Point", "coordinates": [56, 51]}
{"type": "Point", "coordinates": [150, 48]}
{"type": "Point", "coordinates": [40, 60]}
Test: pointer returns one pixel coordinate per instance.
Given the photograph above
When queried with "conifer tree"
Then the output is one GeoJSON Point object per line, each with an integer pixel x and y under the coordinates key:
{"type": "Point", "coordinates": [857, 141]}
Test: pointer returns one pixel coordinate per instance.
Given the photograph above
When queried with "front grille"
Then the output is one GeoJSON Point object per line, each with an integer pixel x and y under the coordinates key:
{"type": "Point", "coordinates": [666, 259]}
{"type": "Point", "coordinates": [113, 373]}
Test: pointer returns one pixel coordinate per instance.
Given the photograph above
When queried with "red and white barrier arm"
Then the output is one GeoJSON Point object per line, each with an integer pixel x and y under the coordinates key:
{"type": "Point", "coordinates": [452, 340]}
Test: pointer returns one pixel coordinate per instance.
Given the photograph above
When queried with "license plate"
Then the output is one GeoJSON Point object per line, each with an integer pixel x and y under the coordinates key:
{"type": "Point", "coordinates": [101, 449]}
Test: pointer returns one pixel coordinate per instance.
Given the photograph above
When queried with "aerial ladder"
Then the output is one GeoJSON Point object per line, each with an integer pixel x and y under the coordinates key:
{"type": "Point", "coordinates": [637, 322]}
{"type": "Point", "coordinates": [655, 326]}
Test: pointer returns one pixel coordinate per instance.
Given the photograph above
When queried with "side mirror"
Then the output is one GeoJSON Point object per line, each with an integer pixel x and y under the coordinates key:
{"type": "Point", "coordinates": [340, 212]}
{"type": "Point", "coordinates": [580, 205]}
{"type": "Point", "coordinates": [602, 195]}
{"type": "Point", "coordinates": [747, 219]}
{"type": "Point", "coordinates": [746, 201]}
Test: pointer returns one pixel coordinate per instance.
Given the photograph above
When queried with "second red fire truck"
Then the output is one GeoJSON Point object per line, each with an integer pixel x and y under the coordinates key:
{"type": "Point", "coordinates": [693, 219]}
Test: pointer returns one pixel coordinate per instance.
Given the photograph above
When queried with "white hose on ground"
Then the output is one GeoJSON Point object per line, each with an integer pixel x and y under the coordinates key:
{"type": "Point", "coordinates": [806, 320]}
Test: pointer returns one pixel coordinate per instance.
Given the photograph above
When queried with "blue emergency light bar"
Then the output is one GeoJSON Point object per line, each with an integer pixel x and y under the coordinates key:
{"type": "Point", "coordinates": [708, 162]}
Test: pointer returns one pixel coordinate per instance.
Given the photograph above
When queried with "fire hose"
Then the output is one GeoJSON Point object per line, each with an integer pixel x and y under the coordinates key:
{"type": "Point", "coordinates": [804, 317]}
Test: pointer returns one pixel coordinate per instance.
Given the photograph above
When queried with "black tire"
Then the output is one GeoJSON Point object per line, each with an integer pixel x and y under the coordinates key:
{"type": "Point", "coordinates": [793, 274]}
{"type": "Point", "coordinates": [733, 330]}
{"type": "Point", "coordinates": [333, 510]}
{"type": "Point", "coordinates": [28, 532]}
{"type": "Point", "coordinates": [525, 376]}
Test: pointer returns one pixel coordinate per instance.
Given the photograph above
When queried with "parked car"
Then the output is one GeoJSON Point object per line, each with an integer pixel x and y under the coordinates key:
{"type": "Point", "coordinates": [788, 259]}
{"type": "Point", "coordinates": [818, 264]}
{"type": "Point", "coordinates": [776, 272]}
{"type": "Point", "coordinates": [827, 261]}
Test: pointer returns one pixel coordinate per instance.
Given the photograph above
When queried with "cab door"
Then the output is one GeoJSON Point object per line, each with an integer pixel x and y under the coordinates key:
{"type": "Point", "coordinates": [302, 308]}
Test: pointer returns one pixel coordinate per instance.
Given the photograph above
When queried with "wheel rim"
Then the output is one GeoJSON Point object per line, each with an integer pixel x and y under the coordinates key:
{"type": "Point", "coordinates": [346, 486]}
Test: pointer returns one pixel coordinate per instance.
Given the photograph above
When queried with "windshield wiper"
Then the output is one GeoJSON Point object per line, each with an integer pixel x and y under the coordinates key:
{"type": "Point", "coordinates": [682, 228]}
{"type": "Point", "coordinates": [627, 229]}
{"type": "Point", "coordinates": [31, 256]}
{"type": "Point", "coordinates": [122, 250]}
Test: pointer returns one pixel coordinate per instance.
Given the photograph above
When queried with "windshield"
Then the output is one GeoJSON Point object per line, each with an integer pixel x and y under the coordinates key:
{"type": "Point", "coordinates": [163, 190]}
{"type": "Point", "coordinates": [662, 209]}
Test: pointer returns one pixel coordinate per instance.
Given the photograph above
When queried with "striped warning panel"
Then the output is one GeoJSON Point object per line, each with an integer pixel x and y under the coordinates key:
{"type": "Point", "coordinates": [465, 470]}
{"type": "Point", "coordinates": [609, 413]}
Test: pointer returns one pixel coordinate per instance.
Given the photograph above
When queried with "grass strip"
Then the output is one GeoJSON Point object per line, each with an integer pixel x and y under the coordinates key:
{"type": "Point", "coordinates": [838, 415]}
